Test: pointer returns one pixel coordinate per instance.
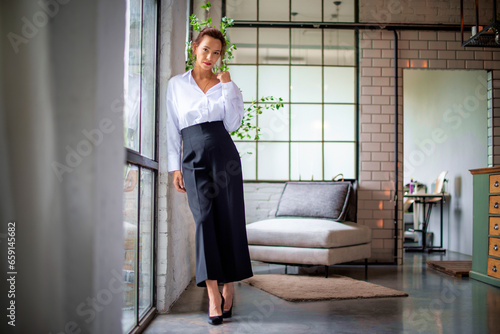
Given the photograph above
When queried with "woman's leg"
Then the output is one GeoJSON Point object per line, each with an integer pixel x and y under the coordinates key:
{"type": "Point", "coordinates": [214, 299]}
{"type": "Point", "coordinates": [228, 292]}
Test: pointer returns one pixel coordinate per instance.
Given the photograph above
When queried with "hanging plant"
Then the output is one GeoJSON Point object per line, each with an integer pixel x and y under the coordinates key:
{"type": "Point", "coordinates": [246, 130]}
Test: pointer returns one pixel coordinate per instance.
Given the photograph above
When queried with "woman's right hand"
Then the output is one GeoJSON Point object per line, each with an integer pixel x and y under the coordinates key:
{"type": "Point", "coordinates": [179, 181]}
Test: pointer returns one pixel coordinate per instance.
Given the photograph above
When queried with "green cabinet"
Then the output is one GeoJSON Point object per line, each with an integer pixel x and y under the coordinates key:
{"type": "Point", "coordinates": [486, 225]}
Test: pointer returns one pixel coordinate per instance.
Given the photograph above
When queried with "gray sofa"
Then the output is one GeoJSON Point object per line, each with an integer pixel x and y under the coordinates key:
{"type": "Point", "coordinates": [315, 224]}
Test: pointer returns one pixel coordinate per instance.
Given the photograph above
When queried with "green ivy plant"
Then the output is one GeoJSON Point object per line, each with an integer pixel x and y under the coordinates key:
{"type": "Point", "coordinates": [247, 130]}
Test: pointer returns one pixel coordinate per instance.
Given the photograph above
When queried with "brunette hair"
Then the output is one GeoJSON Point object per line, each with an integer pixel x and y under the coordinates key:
{"type": "Point", "coordinates": [214, 33]}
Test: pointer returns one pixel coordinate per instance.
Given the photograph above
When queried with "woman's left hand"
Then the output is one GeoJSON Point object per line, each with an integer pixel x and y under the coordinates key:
{"type": "Point", "coordinates": [224, 77]}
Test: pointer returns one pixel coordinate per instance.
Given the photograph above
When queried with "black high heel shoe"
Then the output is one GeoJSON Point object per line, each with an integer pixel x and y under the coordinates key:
{"type": "Point", "coordinates": [228, 313]}
{"type": "Point", "coordinates": [217, 320]}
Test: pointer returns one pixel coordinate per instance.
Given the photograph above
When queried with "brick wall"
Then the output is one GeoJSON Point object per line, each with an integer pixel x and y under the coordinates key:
{"type": "Point", "coordinates": [417, 49]}
{"type": "Point", "coordinates": [418, 11]}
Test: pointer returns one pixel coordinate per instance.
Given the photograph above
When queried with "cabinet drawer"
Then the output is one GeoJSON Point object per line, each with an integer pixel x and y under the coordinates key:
{"type": "Point", "coordinates": [494, 247]}
{"type": "Point", "coordinates": [494, 226]}
{"type": "Point", "coordinates": [494, 204]}
{"type": "Point", "coordinates": [495, 183]}
{"type": "Point", "coordinates": [494, 267]}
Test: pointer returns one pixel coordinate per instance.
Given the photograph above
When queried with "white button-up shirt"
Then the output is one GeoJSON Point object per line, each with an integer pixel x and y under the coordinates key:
{"type": "Point", "coordinates": [187, 105]}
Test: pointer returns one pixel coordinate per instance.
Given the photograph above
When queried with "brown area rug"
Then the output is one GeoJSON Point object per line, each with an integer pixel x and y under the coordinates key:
{"type": "Point", "coordinates": [296, 288]}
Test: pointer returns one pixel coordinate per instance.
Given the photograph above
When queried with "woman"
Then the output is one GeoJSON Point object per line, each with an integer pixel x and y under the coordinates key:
{"type": "Point", "coordinates": [202, 107]}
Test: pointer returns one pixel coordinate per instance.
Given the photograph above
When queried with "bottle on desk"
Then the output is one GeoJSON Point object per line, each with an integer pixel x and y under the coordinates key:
{"type": "Point", "coordinates": [412, 186]}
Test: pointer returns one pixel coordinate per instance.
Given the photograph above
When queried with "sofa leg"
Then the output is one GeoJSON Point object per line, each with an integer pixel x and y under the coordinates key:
{"type": "Point", "coordinates": [366, 269]}
{"type": "Point", "coordinates": [286, 269]}
{"type": "Point", "coordinates": [326, 271]}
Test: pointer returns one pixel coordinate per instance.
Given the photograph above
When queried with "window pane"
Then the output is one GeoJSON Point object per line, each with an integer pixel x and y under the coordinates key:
{"type": "Point", "coordinates": [245, 40]}
{"type": "Point", "coordinates": [306, 10]}
{"type": "Point", "coordinates": [252, 122]}
{"type": "Point", "coordinates": [146, 241]}
{"type": "Point", "coordinates": [274, 46]}
{"type": "Point", "coordinates": [273, 81]}
{"type": "Point", "coordinates": [339, 84]}
{"type": "Point", "coordinates": [275, 10]}
{"type": "Point", "coordinates": [130, 206]}
{"type": "Point", "coordinates": [341, 13]}
{"type": "Point", "coordinates": [306, 84]}
{"type": "Point", "coordinates": [246, 79]}
{"type": "Point", "coordinates": [132, 91]}
{"type": "Point", "coordinates": [306, 161]}
{"type": "Point", "coordinates": [247, 154]}
{"type": "Point", "coordinates": [339, 47]}
{"type": "Point", "coordinates": [306, 46]}
{"type": "Point", "coordinates": [273, 161]}
{"type": "Point", "coordinates": [148, 80]}
{"type": "Point", "coordinates": [306, 122]}
{"type": "Point", "coordinates": [340, 122]}
{"type": "Point", "coordinates": [242, 9]}
{"type": "Point", "coordinates": [274, 124]}
{"type": "Point", "coordinates": [339, 158]}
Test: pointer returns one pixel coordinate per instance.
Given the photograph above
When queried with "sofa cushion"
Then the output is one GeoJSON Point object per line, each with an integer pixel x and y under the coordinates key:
{"type": "Point", "coordinates": [307, 232]}
{"type": "Point", "coordinates": [314, 199]}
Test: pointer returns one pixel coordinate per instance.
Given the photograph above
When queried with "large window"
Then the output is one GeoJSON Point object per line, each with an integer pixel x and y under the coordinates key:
{"type": "Point", "coordinates": [141, 169]}
{"type": "Point", "coordinates": [314, 71]}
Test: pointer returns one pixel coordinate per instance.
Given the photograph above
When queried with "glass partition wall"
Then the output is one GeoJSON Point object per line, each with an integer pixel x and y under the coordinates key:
{"type": "Point", "coordinates": [141, 168]}
{"type": "Point", "coordinates": [314, 71]}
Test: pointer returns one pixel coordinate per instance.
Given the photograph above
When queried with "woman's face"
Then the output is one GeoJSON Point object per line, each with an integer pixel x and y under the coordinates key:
{"type": "Point", "coordinates": [207, 52]}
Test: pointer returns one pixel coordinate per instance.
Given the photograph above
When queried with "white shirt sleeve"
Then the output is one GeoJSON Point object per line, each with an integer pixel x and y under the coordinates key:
{"type": "Point", "coordinates": [233, 106]}
{"type": "Point", "coordinates": [173, 132]}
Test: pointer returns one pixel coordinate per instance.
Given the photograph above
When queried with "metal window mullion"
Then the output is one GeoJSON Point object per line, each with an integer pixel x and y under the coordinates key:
{"type": "Point", "coordinates": [137, 273]}
{"type": "Point", "coordinates": [356, 101]}
{"type": "Point", "coordinates": [257, 96]}
{"type": "Point", "coordinates": [290, 98]}
{"type": "Point", "coordinates": [322, 101]}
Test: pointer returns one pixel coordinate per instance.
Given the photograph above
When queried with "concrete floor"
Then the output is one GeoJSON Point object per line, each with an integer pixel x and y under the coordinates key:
{"type": "Point", "coordinates": [437, 303]}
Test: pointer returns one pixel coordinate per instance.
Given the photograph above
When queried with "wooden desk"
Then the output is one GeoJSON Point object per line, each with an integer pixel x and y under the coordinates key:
{"type": "Point", "coordinates": [427, 200]}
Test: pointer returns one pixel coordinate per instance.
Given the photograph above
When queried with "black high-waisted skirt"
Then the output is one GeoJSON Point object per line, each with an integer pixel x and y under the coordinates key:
{"type": "Point", "coordinates": [211, 168]}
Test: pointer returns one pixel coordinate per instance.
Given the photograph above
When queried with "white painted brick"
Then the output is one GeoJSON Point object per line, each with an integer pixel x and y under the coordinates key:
{"type": "Point", "coordinates": [370, 166]}
{"type": "Point", "coordinates": [380, 137]}
{"type": "Point", "coordinates": [446, 54]}
{"type": "Point", "coordinates": [374, 72]}
{"type": "Point", "coordinates": [437, 45]}
{"type": "Point", "coordinates": [370, 109]}
{"type": "Point", "coordinates": [435, 63]}
{"type": "Point", "coordinates": [418, 45]}
{"type": "Point", "coordinates": [380, 118]}
{"type": "Point", "coordinates": [387, 72]}
{"type": "Point", "coordinates": [388, 54]}
{"type": "Point", "coordinates": [370, 147]}
{"type": "Point", "coordinates": [364, 137]}
{"type": "Point", "coordinates": [370, 128]}
{"type": "Point", "coordinates": [381, 44]}
{"type": "Point", "coordinates": [371, 90]}
{"type": "Point", "coordinates": [465, 55]}
{"type": "Point", "coordinates": [409, 35]}
{"type": "Point", "coordinates": [446, 36]}
{"type": "Point", "coordinates": [474, 64]}
{"type": "Point", "coordinates": [483, 55]}
{"type": "Point", "coordinates": [427, 35]}
{"type": "Point", "coordinates": [381, 62]}
{"type": "Point", "coordinates": [380, 81]}
{"type": "Point", "coordinates": [371, 53]}
{"type": "Point", "coordinates": [409, 53]}
{"type": "Point", "coordinates": [456, 64]}
{"type": "Point", "coordinates": [380, 156]}
{"type": "Point", "coordinates": [381, 100]}
{"type": "Point", "coordinates": [492, 65]}
{"type": "Point", "coordinates": [454, 46]}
